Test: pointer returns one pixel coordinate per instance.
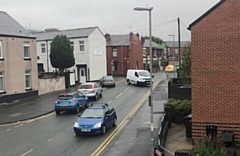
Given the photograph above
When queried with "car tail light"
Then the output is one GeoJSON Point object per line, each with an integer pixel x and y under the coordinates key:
{"type": "Point", "coordinates": [56, 101]}
{"type": "Point", "coordinates": [92, 86]}
{"type": "Point", "coordinates": [79, 87]}
{"type": "Point", "coordinates": [112, 80]}
{"type": "Point", "coordinates": [73, 100]}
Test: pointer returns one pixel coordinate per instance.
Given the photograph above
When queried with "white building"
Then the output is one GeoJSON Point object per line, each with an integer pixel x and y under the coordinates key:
{"type": "Point", "coordinates": [89, 46]}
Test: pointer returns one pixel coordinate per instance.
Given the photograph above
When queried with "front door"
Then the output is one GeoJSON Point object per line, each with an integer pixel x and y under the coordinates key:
{"type": "Point", "coordinates": [82, 75]}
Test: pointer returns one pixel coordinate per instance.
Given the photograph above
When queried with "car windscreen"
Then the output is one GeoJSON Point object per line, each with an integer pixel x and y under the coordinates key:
{"type": "Point", "coordinates": [93, 113]}
{"type": "Point", "coordinates": [108, 78]}
{"type": "Point", "coordinates": [86, 86]}
{"type": "Point", "coordinates": [65, 97]}
{"type": "Point", "coordinates": [144, 73]}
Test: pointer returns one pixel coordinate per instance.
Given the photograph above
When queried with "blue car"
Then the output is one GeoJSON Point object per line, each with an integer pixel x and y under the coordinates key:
{"type": "Point", "coordinates": [71, 102]}
{"type": "Point", "coordinates": [96, 119]}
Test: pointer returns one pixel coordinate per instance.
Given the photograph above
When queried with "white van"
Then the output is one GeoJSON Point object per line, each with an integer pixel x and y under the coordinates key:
{"type": "Point", "coordinates": [138, 77]}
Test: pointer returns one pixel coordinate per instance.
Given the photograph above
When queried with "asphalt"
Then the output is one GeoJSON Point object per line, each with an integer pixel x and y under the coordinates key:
{"type": "Point", "coordinates": [135, 139]}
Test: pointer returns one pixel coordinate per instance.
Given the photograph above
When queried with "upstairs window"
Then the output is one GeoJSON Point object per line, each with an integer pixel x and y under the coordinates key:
{"type": "Point", "coordinates": [114, 52]}
{"type": "Point", "coordinates": [43, 48]}
{"type": "Point", "coordinates": [1, 82]}
{"type": "Point", "coordinates": [28, 79]}
{"type": "Point", "coordinates": [72, 45]}
{"type": "Point", "coordinates": [1, 55]}
{"type": "Point", "coordinates": [26, 50]}
{"type": "Point", "coordinates": [81, 44]}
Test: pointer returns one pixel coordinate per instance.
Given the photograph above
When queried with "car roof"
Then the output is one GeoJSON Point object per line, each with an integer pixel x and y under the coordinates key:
{"type": "Point", "coordinates": [98, 105]}
{"type": "Point", "coordinates": [72, 93]}
{"type": "Point", "coordinates": [88, 83]}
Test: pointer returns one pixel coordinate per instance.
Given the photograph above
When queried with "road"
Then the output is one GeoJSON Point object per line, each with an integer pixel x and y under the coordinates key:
{"type": "Point", "coordinates": [53, 135]}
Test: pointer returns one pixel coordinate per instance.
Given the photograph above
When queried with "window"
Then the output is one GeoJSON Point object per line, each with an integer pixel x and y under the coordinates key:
{"type": "Point", "coordinates": [144, 51]}
{"type": "Point", "coordinates": [114, 52]}
{"type": "Point", "coordinates": [28, 79]}
{"type": "Point", "coordinates": [81, 44]}
{"type": "Point", "coordinates": [43, 48]}
{"type": "Point", "coordinates": [26, 50]}
{"type": "Point", "coordinates": [72, 45]}
{"type": "Point", "coordinates": [1, 82]}
{"type": "Point", "coordinates": [1, 55]}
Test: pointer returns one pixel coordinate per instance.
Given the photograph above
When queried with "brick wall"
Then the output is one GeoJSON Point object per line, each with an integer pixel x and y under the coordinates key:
{"type": "Point", "coordinates": [216, 70]}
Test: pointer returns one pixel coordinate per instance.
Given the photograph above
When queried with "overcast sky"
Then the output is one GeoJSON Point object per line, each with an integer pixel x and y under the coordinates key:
{"type": "Point", "coordinates": [111, 16]}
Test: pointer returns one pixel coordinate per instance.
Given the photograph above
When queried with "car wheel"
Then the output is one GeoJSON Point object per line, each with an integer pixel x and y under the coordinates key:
{"type": "Point", "coordinates": [77, 109]}
{"type": "Point", "coordinates": [113, 85]}
{"type": "Point", "coordinates": [128, 82]}
{"type": "Point", "coordinates": [57, 112]}
{"type": "Point", "coordinates": [101, 94]}
{"type": "Point", "coordinates": [104, 129]}
{"type": "Point", "coordinates": [115, 122]}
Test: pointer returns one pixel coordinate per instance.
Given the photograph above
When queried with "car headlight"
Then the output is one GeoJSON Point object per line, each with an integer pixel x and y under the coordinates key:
{"type": "Point", "coordinates": [97, 125]}
{"type": "Point", "coordinates": [76, 125]}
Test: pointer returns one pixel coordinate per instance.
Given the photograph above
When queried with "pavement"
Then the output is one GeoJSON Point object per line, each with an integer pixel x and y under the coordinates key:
{"type": "Point", "coordinates": [135, 139]}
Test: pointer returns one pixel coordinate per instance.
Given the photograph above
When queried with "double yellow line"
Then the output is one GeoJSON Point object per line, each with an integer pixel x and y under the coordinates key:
{"type": "Point", "coordinates": [107, 141]}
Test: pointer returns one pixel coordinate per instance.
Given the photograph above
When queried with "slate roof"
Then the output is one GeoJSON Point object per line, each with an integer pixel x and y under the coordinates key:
{"type": "Point", "coordinates": [70, 33]}
{"type": "Point", "coordinates": [182, 44]}
{"type": "Point", "coordinates": [205, 14]}
{"type": "Point", "coordinates": [10, 27]}
{"type": "Point", "coordinates": [118, 40]}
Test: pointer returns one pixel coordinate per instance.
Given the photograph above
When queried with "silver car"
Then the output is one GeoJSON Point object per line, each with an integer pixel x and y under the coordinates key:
{"type": "Point", "coordinates": [91, 90]}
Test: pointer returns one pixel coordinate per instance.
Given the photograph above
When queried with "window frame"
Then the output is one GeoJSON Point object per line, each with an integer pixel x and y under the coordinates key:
{"type": "Point", "coordinates": [2, 76]}
{"type": "Point", "coordinates": [1, 52]}
{"type": "Point", "coordinates": [114, 51]}
{"type": "Point", "coordinates": [43, 47]}
{"type": "Point", "coordinates": [28, 74]}
{"type": "Point", "coordinates": [81, 45]}
{"type": "Point", "coordinates": [26, 45]}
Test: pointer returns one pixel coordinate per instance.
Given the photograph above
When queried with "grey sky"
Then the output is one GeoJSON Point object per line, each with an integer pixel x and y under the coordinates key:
{"type": "Point", "coordinates": [111, 16]}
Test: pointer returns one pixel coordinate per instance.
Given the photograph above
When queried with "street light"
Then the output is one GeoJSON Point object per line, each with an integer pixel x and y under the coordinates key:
{"type": "Point", "coordinates": [149, 9]}
{"type": "Point", "coordinates": [174, 61]}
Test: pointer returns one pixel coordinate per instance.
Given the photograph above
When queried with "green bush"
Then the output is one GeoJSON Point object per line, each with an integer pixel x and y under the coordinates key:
{"type": "Point", "coordinates": [180, 107]}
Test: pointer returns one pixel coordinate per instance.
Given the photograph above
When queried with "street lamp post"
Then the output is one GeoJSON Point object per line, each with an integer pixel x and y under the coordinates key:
{"type": "Point", "coordinates": [174, 61]}
{"type": "Point", "coordinates": [149, 9]}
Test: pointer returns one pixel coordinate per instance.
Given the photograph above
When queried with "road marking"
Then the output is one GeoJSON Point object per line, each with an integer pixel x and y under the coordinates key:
{"type": "Point", "coordinates": [107, 141]}
{"type": "Point", "coordinates": [109, 101]}
{"type": "Point", "coordinates": [27, 152]}
{"type": "Point", "coordinates": [118, 95]}
{"type": "Point", "coordinates": [8, 130]}
{"type": "Point", "coordinates": [18, 126]}
{"type": "Point", "coordinates": [126, 89]}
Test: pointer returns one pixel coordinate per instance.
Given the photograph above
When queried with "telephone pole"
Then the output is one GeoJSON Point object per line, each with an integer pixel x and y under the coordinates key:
{"type": "Point", "coordinates": [179, 43]}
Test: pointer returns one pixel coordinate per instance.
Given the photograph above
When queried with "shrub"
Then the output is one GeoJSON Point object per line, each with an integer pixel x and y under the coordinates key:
{"type": "Point", "coordinates": [180, 107]}
{"type": "Point", "coordinates": [210, 147]}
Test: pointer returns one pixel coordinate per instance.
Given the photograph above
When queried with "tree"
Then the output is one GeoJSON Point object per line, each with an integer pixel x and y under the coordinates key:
{"type": "Point", "coordinates": [185, 66]}
{"type": "Point", "coordinates": [61, 53]}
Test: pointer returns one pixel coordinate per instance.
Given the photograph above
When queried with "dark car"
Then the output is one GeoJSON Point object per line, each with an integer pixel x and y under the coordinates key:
{"type": "Point", "coordinates": [107, 81]}
{"type": "Point", "coordinates": [71, 102]}
{"type": "Point", "coordinates": [97, 118]}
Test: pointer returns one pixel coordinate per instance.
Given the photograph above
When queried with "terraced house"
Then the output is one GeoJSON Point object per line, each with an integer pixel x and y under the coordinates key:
{"type": "Point", "coordinates": [216, 72]}
{"type": "Point", "coordinates": [18, 60]}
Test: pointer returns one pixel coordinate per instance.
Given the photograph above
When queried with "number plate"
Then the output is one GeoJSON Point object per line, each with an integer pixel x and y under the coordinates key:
{"type": "Point", "coordinates": [86, 130]}
{"type": "Point", "coordinates": [84, 91]}
{"type": "Point", "coordinates": [64, 104]}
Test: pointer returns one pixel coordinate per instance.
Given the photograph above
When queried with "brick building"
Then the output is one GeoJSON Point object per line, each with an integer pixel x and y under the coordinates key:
{"type": "Point", "coordinates": [123, 52]}
{"type": "Point", "coordinates": [216, 70]}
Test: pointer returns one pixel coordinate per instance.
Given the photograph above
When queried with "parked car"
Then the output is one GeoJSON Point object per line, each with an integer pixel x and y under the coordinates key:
{"type": "Point", "coordinates": [107, 81]}
{"type": "Point", "coordinates": [139, 77]}
{"type": "Point", "coordinates": [96, 119]}
{"type": "Point", "coordinates": [91, 90]}
{"type": "Point", "coordinates": [71, 102]}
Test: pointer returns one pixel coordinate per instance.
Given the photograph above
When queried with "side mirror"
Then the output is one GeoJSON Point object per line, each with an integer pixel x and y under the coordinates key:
{"type": "Point", "coordinates": [79, 115]}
